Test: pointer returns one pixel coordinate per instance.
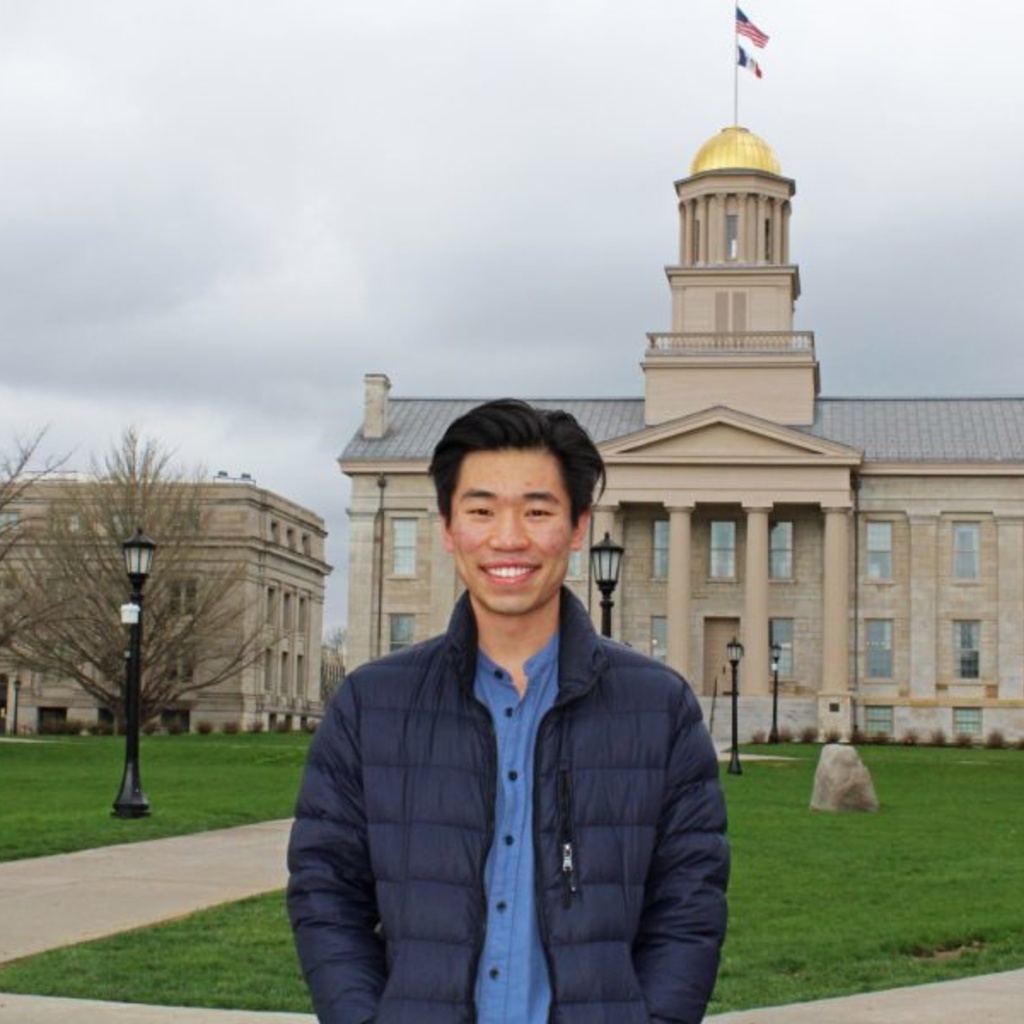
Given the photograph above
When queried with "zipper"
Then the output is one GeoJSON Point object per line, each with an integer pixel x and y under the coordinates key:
{"type": "Point", "coordinates": [492, 782]}
{"type": "Point", "coordinates": [570, 886]}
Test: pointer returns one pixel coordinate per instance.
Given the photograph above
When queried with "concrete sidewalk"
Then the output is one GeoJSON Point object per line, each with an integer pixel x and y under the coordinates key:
{"type": "Point", "coordinates": [57, 901]}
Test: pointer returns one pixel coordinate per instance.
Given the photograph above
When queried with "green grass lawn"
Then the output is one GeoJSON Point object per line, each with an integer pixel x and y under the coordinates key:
{"type": "Point", "coordinates": [57, 793]}
{"type": "Point", "coordinates": [930, 888]}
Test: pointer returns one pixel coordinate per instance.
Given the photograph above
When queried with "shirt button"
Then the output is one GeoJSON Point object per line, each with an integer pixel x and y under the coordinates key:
{"type": "Point", "coordinates": [509, 712]}
{"type": "Point", "coordinates": [502, 906]}
{"type": "Point", "coordinates": [509, 840]}
{"type": "Point", "coordinates": [495, 973]}
{"type": "Point", "coordinates": [513, 775]}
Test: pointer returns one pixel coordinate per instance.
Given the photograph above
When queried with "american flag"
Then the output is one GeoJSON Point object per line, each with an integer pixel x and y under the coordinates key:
{"type": "Point", "coordinates": [745, 27]}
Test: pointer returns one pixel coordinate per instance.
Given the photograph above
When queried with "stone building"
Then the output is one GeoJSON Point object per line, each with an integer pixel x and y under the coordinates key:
{"type": "Point", "coordinates": [280, 547]}
{"type": "Point", "coordinates": [878, 542]}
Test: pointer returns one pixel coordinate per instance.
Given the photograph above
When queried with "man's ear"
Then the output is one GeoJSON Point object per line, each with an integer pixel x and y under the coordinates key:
{"type": "Point", "coordinates": [579, 531]}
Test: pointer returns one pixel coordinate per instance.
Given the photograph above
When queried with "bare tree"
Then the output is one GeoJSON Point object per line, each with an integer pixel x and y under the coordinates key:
{"type": "Point", "coordinates": [19, 472]}
{"type": "Point", "coordinates": [197, 634]}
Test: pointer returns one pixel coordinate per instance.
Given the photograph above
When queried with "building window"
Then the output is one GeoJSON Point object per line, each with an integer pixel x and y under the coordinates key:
{"type": "Point", "coordinates": [271, 606]}
{"type": "Point", "coordinates": [183, 596]}
{"type": "Point", "coordinates": [879, 648]}
{"type": "Point", "coordinates": [780, 631]}
{"type": "Point", "coordinates": [966, 551]}
{"type": "Point", "coordinates": [878, 720]}
{"type": "Point", "coordinates": [268, 671]}
{"type": "Point", "coordinates": [732, 236]}
{"type": "Point", "coordinates": [401, 631]}
{"type": "Point", "coordinates": [307, 544]}
{"type": "Point", "coordinates": [723, 550]}
{"type": "Point", "coordinates": [575, 567]}
{"type": "Point", "coordinates": [403, 547]}
{"type": "Point", "coordinates": [780, 551]}
{"type": "Point", "coordinates": [659, 562]}
{"type": "Point", "coordinates": [303, 615]}
{"type": "Point", "coordinates": [659, 637]}
{"type": "Point", "coordinates": [275, 532]}
{"type": "Point", "coordinates": [967, 721]}
{"type": "Point", "coordinates": [286, 678]}
{"type": "Point", "coordinates": [967, 649]}
{"type": "Point", "coordinates": [286, 611]}
{"type": "Point", "coordinates": [879, 551]}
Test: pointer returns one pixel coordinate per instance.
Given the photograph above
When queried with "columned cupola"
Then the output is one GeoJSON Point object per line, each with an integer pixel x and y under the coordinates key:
{"type": "Point", "coordinates": [733, 291]}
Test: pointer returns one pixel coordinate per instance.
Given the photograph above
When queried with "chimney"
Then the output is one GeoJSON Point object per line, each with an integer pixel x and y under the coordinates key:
{"type": "Point", "coordinates": [375, 411]}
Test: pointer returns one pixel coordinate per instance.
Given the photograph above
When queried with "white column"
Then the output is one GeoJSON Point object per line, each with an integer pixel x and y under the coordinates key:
{"type": "Point", "coordinates": [1010, 569]}
{"type": "Point", "coordinates": [754, 677]}
{"type": "Point", "coordinates": [924, 584]}
{"type": "Point", "coordinates": [836, 602]}
{"type": "Point", "coordinates": [678, 602]}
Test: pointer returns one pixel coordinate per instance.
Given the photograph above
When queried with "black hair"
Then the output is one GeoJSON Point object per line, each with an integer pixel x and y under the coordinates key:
{"type": "Point", "coordinates": [508, 423]}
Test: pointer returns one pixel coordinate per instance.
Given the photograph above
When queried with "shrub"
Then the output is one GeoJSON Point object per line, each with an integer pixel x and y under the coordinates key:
{"type": "Point", "coordinates": [230, 728]}
{"type": "Point", "coordinates": [175, 728]}
{"type": "Point", "coordinates": [910, 738]}
{"type": "Point", "coordinates": [785, 735]}
{"type": "Point", "coordinates": [759, 737]}
{"type": "Point", "coordinates": [938, 738]}
{"type": "Point", "coordinates": [256, 725]}
{"type": "Point", "coordinates": [1020, 742]}
{"type": "Point", "coordinates": [880, 738]}
{"type": "Point", "coordinates": [995, 740]}
{"type": "Point", "coordinates": [311, 725]}
{"type": "Point", "coordinates": [809, 734]}
{"type": "Point", "coordinates": [833, 736]}
{"type": "Point", "coordinates": [204, 727]}
{"type": "Point", "coordinates": [963, 739]}
{"type": "Point", "coordinates": [283, 727]}
{"type": "Point", "coordinates": [858, 736]}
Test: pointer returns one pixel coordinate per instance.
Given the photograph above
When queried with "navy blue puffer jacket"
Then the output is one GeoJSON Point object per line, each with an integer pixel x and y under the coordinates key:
{"type": "Point", "coordinates": [396, 814]}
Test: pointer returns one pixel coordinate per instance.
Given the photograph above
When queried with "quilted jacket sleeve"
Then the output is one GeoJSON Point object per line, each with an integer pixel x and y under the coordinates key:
{"type": "Point", "coordinates": [331, 899]}
{"type": "Point", "coordinates": [683, 924]}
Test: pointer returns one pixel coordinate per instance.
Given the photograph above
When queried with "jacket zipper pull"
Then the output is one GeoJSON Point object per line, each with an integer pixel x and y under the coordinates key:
{"type": "Point", "coordinates": [568, 872]}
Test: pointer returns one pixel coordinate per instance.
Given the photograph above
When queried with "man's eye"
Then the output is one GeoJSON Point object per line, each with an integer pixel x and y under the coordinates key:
{"type": "Point", "coordinates": [539, 513]}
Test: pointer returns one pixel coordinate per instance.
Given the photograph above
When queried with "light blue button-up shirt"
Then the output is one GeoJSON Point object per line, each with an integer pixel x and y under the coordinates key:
{"type": "Point", "coordinates": [512, 984]}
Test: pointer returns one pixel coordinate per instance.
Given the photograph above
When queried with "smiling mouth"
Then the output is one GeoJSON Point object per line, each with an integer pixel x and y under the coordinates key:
{"type": "Point", "coordinates": [510, 573]}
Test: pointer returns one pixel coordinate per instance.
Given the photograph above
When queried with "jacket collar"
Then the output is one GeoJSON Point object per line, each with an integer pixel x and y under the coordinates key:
{"type": "Point", "coordinates": [581, 659]}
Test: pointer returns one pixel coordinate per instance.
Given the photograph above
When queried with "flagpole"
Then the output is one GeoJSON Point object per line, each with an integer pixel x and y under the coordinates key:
{"type": "Point", "coordinates": [735, 70]}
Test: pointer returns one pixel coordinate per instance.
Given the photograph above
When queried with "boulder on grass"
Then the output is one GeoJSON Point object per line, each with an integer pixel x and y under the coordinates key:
{"type": "Point", "coordinates": [842, 782]}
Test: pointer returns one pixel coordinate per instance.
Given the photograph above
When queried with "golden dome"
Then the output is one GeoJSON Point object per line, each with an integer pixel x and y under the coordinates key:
{"type": "Point", "coordinates": [736, 148]}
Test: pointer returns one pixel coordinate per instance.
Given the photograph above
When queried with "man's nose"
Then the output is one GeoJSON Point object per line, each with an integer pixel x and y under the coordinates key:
{"type": "Point", "coordinates": [509, 532]}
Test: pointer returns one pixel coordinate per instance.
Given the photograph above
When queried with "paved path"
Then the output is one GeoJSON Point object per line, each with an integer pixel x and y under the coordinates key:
{"type": "Point", "coordinates": [73, 897]}
{"type": "Point", "coordinates": [56, 901]}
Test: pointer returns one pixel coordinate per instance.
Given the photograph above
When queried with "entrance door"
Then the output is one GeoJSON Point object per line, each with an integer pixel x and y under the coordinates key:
{"type": "Point", "coordinates": [717, 673]}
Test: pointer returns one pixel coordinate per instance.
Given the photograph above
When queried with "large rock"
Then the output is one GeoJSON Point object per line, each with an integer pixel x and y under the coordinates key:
{"type": "Point", "coordinates": [842, 782]}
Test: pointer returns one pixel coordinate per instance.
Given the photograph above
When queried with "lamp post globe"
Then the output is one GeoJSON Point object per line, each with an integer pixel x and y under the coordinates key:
{"type": "Point", "coordinates": [734, 652]}
{"type": "Point", "coordinates": [138, 551]}
{"type": "Point", "coordinates": [773, 736]}
{"type": "Point", "coordinates": [605, 564]}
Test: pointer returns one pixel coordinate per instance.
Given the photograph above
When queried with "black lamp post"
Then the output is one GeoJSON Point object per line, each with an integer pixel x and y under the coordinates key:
{"type": "Point", "coordinates": [773, 736]}
{"type": "Point", "coordinates": [734, 652]}
{"type": "Point", "coordinates": [605, 561]}
{"type": "Point", "coordinates": [131, 802]}
{"type": "Point", "coordinates": [14, 710]}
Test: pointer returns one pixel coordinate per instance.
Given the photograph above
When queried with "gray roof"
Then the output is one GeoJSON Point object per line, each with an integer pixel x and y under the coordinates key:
{"type": "Point", "coordinates": [883, 429]}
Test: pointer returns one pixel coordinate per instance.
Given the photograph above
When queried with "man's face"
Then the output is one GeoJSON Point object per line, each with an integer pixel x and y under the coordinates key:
{"type": "Point", "coordinates": [511, 534]}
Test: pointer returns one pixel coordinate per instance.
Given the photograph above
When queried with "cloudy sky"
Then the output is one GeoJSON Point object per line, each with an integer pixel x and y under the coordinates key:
{"type": "Point", "coordinates": [216, 216]}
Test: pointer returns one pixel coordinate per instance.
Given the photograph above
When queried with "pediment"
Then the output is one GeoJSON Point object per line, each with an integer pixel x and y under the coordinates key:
{"type": "Point", "coordinates": [722, 435]}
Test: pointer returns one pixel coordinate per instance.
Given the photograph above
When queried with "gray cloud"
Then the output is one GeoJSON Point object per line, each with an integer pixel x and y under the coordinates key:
{"type": "Point", "coordinates": [215, 218]}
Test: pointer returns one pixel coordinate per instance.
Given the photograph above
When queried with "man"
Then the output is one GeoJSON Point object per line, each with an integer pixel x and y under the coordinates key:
{"type": "Point", "coordinates": [518, 821]}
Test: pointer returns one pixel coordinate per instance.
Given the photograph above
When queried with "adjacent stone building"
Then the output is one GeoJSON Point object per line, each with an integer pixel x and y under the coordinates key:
{"type": "Point", "coordinates": [280, 547]}
{"type": "Point", "coordinates": [878, 542]}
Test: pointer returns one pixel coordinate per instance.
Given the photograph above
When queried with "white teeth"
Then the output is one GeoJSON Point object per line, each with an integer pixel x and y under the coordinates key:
{"type": "Point", "coordinates": [509, 572]}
